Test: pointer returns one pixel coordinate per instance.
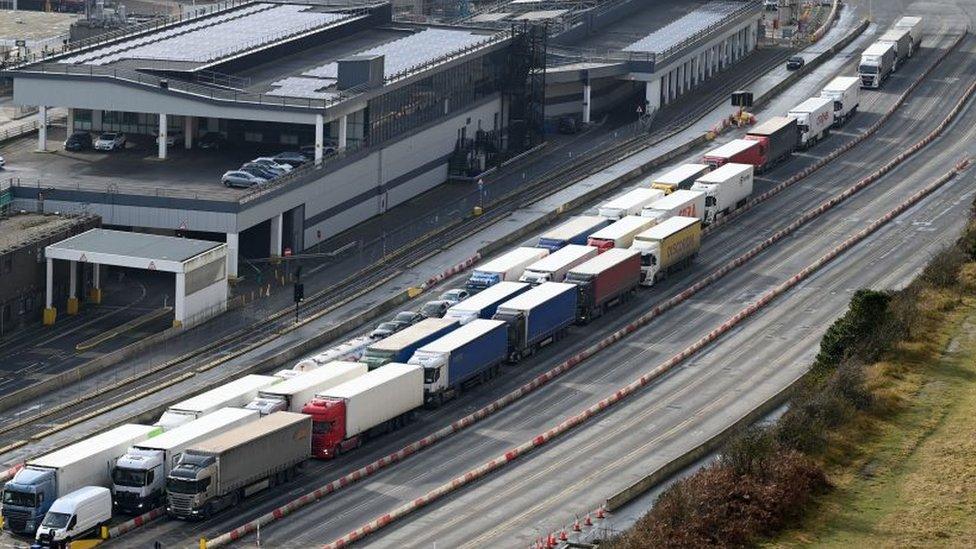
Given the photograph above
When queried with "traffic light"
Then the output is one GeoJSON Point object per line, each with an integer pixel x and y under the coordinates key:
{"type": "Point", "coordinates": [299, 292]}
{"type": "Point", "coordinates": [741, 99]}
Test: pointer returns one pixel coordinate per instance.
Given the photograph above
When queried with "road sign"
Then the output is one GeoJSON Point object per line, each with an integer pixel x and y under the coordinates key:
{"type": "Point", "coordinates": [152, 266]}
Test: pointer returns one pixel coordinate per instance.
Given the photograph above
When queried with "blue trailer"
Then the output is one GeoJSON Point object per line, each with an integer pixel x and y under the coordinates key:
{"type": "Point", "coordinates": [400, 346]}
{"type": "Point", "coordinates": [538, 317]}
{"type": "Point", "coordinates": [576, 230]}
{"type": "Point", "coordinates": [483, 304]}
{"type": "Point", "coordinates": [470, 354]}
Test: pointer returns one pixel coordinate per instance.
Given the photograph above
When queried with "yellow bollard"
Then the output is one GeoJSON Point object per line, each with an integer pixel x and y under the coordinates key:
{"type": "Point", "coordinates": [478, 211]}
{"type": "Point", "coordinates": [72, 305]}
{"type": "Point", "coordinates": [95, 295]}
{"type": "Point", "coordinates": [104, 532]}
{"type": "Point", "coordinates": [413, 292]}
{"type": "Point", "coordinates": [203, 543]}
{"type": "Point", "coordinates": [50, 315]}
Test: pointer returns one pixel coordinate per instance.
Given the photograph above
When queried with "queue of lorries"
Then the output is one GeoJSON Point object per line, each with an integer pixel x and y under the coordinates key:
{"type": "Point", "coordinates": [212, 450]}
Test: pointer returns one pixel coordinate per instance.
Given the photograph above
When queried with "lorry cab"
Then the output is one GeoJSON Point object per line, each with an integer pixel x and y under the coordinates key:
{"type": "Point", "coordinates": [139, 480]}
{"type": "Point", "coordinates": [267, 405]}
{"type": "Point", "coordinates": [27, 498]}
{"type": "Point", "coordinates": [328, 427]}
{"type": "Point", "coordinates": [515, 321]}
{"type": "Point", "coordinates": [189, 485]}
{"type": "Point", "coordinates": [74, 515]}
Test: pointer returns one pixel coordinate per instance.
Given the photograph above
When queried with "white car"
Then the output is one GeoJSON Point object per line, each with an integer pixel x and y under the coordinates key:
{"type": "Point", "coordinates": [3, 162]}
{"type": "Point", "coordinates": [172, 138]}
{"type": "Point", "coordinates": [274, 163]}
{"type": "Point", "coordinates": [110, 142]}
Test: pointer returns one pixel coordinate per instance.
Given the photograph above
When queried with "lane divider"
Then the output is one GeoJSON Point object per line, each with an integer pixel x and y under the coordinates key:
{"type": "Point", "coordinates": [570, 363]}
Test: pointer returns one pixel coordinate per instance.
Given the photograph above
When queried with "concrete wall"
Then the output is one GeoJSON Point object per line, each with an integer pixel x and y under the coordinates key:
{"type": "Point", "coordinates": [205, 303]}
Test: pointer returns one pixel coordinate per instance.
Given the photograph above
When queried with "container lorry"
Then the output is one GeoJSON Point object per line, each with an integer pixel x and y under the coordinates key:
{"type": "Point", "coordinates": [291, 395]}
{"type": "Point", "coordinates": [777, 138]}
{"type": "Point", "coordinates": [483, 304]}
{"type": "Point", "coordinates": [685, 202]}
{"type": "Point", "coordinates": [679, 178]}
{"type": "Point", "coordinates": [667, 247]}
{"type": "Point", "coordinates": [604, 281]}
{"type": "Point", "coordinates": [914, 27]}
{"type": "Point", "coordinates": [537, 317]}
{"type": "Point", "coordinates": [726, 190]}
{"type": "Point", "coordinates": [877, 62]}
{"type": "Point", "coordinates": [29, 495]}
{"type": "Point", "coordinates": [620, 234]}
{"type": "Point", "coordinates": [814, 117]}
{"type": "Point", "coordinates": [509, 266]}
{"type": "Point", "coordinates": [629, 203]}
{"type": "Point", "coordinates": [75, 515]}
{"type": "Point", "coordinates": [400, 346]}
{"type": "Point", "coordinates": [743, 151]}
{"type": "Point", "coordinates": [221, 471]}
{"type": "Point", "coordinates": [139, 476]}
{"type": "Point", "coordinates": [235, 394]}
{"type": "Point", "coordinates": [553, 268]}
{"type": "Point", "coordinates": [845, 92]}
{"type": "Point", "coordinates": [465, 356]}
{"type": "Point", "coordinates": [901, 40]}
{"type": "Point", "coordinates": [574, 231]}
{"type": "Point", "coordinates": [347, 415]}
{"type": "Point", "coordinates": [350, 350]}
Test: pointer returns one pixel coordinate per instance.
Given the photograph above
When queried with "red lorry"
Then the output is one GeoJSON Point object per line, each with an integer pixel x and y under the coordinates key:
{"type": "Point", "coordinates": [739, 151]}
{"type": "Point", "coordinates": [604, 281]}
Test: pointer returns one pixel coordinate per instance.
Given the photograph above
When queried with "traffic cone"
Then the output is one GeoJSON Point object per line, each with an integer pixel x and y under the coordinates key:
{"type": "Point", "coordinates": [576, 526]}
{"type": "Point", "coordinates": [600, 514]}
{"type": "Point", "coordinates": [587, 521]}
{"type": "Point", "coordinates": [550, 541]}
{"type": "Point", "coordinates": [563, 536]}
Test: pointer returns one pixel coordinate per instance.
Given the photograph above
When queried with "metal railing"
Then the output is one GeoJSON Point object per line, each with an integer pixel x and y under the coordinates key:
{"type": "Point", "coordinates": [28, 127]}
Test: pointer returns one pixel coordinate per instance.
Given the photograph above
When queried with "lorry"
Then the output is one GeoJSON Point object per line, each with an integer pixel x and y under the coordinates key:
{"type": "Point", "coordinates": [877, 62]}
{"type": "Point", "coordinates": [679, 178]}
{"type": "Point", "coordinates": [537, 317]}
{"type": "Point", "coordinates": [508, 266]}
{"type": "Point", "coordinates": [74, 515]}
{"type": "Point", "coordinates": [901, 39]}
{"type": "Point", "coordinates": [845, 91]}
{"type": "Point", "coordinates": [667, 247]}
{"type": "Point", "coordinates": [29, 495]}
{"type": "Point", "coordinates": [726, 189]}
{"type": "Point", "coordinates": [400, 346]}
{"type": "Point", "coordinates": [629, 203]}
{"type": "Point", "coordinates": [777, 137]}
{"type": "Point", "coordinates": [349, 350]}
{"type": "Point", "coordinates": [743, 151]}
{"type": "Point", "coordinates": [619, 234]}
{"type": "Point", "coordinates": [483, 304]}
{"type": "Point", "coordinates": [347, 415]}
{"type": "Point", "coordinates": [604, 281]}
{"type": "Point", "coordinates": [235, 394]}
{"type": "Point", "coordinates": [684, 202]}
{"type": "Point", "coordinates": [814, 117]}
{"type": "Point", "coordinates": [291, 395]}
{"type": "Point", "coordinates": [574, 231]}
{"type": "Point", "coordinates": [465, 356]}
{"type": "Point", "coordinates": [553, 268]}
{"type": "Point", "coordinates": [223, 470]}
{"type": "Point", "coordinates": [139, 476]}
{"type": "Point", "coordinates": [913, 25]}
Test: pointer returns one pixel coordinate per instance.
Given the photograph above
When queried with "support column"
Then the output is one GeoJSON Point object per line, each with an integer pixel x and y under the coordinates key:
{"type": "Point", "coordinates": [343, 132]}
{"type": "Point", "coordinates": [231, 255]}
{"type": "Point", "coordinates": [71, 123]}
{"type": "Point", "coordinates": [72, 287]}
{"type": "Point", "coordinates": [95, 294]}
{"type": "Point", "coordinates": [42, 128]}
{"type": "Point", "coordinates": [276, 224]}
{"type": "Point", "coordinates": [188, 125]}
{"type": "Point", "coordinates": [652, 95]}
{"type": "Point", "coordinates": [179, 300]}
{"type": "Point", "coordinates": [319, 137]}
{"type": "Point", "coordinates": [96, 123]}
{"type": "Point", "coordinates": [587, 92]}
{"type": "Point", "coordinates": [162, 136]}
{"type": "Point", "coordinates": [50, 313]}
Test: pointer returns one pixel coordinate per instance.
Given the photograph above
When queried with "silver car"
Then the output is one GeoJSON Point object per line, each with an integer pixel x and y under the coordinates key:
{"type": "Point", "coordinates": [238, 178]}
{"type": "Point", "coordinates": [110, 142]}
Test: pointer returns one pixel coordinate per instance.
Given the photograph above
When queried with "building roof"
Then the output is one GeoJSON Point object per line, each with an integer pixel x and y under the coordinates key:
{"type": "Point", "coordinates": [139, 245]}
{"type": "Point", "coordinates": [686, 27]}
{"type": "Point", "coordinates": [23, 229]}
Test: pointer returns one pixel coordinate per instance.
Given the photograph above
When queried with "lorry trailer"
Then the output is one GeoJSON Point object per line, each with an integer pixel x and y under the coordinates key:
{"type": "Point", "coordinates": [537, 317]}
{"type": "Point", "coordinates": [29, 495]}
{"type": "Point", "coordinates": [470, 354]}
{"type": "Point", "coordinates": [743, 151]}
{"type": "Point", "coordinates": [684, 202]}
{"type": "Point", "coordinates": [667, 247]}
{"type": "Point", "coordinates": [814, 117]}
{"type": "Point", "coordinates": [877, 62]}
{"type": "Point", "coordinates": [508, 266]}
{"type": "Point", "coordinates": [139, 476]}
{"type": "Point", "coordinates": [679, 178]}
{"type": "Point", "coordinates": [629, 203]}
{"type": "Point", "coordinates": [777, 137]}
{"type": "Point", "coordinates": [292, 394]}
{"type": "Point", "coordinates": [235, 394]}
{"type": "Point", "coordinates": [726, 190]}
{"type": "Point", "coordinates": [604, 281]}
{"type": "Point", "coordinates": [221, 471]}
{"type": "Point", "coordinates": [914, 27]}
{"type": "Point", "coordinates": [345, 416]}
{"type": "Point", "coordinates": [619, 234]}
{"type": "Point", "coordinates": [901, 39]}
{"type": "Point", "coordinates": [553, 268]}
{"type": "Point", "coordinates": [845, 91]}
{"type": "Point", "coordinates": [350, 350]}
{"type": "Point", "coordinates": [483, 304]}
{"type": "Point", "coordinates": [574, 231]}
{"type": "Point", "coordinates": [400, 346]}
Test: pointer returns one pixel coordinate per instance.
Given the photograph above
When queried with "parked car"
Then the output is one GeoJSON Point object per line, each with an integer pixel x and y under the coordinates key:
{"type": "Point", "coordinates": [263, 172]}
{"type": "Point", "coordinates": [3, 162]}
{"type": "Point", "coordinates": [568, 125]}
{"type": "Point", "coordinates": [435, 309]}
{"type": "Point", "coordinates": [212, 140]}
{"type": "Point", "coordinates": [78, 141]}
{"type": "Point", "coordinates": [110, 142]}
{"type": "Point", "coordinates": [309, 150]}
{"type": "Point", "coordinates": [385, 329]}
{"type": "Point", "coordinates": [172, 138]}
{"type": "Point", "coordinates": [268, 161]}
{"type": "Point", "coordinates": [293, 159]}
{"type": "Point", "coordinates": [794, 63]}
{"type": "Point", "coordinates": [240, 178]}
{"type": "Point", "coordinates": [75, 514]}
{"type": "Point", "coordinates": [455, 296]}
{"type": "Point", "coordinates": [408, 318]}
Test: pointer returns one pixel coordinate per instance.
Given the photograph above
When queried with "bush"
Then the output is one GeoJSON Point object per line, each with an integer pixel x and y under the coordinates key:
{"type": "Point", "coordinates": [846, 336]}
{"type": "Point", "coordinates": [942, 270]}
{"type": "Point", "coordinates": [749, 452]}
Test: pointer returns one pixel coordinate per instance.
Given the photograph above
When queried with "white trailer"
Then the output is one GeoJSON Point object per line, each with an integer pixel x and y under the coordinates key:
{"type": "Point", "coordinates": [685, 202]}
{"type": "Point", "coordinates": [235, 394]}
{"type": "Point", "coordinates": [814, 117]}
{"type": "Point", "coordinates": [629, 203]}
{"type": "Point", "coordinates": [913, 25]}
{"type": "Point", "coordinates": [845, 92]}
{"type": "Point", "coordinates": [508, 267]}
{"type": "Point", "coordinates": [350, 350]}
{"type": "Point", "coordinates": [726, 189]}
{"type": "Point", "coordinates": [901, 39]}
{"type": "Point", "coordinates": [679, 178]}
{"type": "Point", "coordinates": [553, 268]}
{"type": "Point", "coordinates": [292, 395]}
{"type": "Point", "coordinates": [620, 234]}
{"type": "Point", "coordinates": [877, 63]}
{"type": "Point", "coordinates": [483, 304]}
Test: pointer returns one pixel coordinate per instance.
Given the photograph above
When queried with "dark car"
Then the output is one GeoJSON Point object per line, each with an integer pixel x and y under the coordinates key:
{"type": "Point", "coordinates": [408, 318]}
{"type": "Point", "coordinates": [212, 140]}
{"type": "Point", "coordinates": [309, 150]}
{"type": "Point", "coordinates": [260, 171]}
{"type": "Point", "coordinates": [78, 141]}
{"type": "Point", "coordinates": [293, 159]}
{"type": "Point", "coordinates": [385, 329]}
{"type": "Point", "coordinates": [794, 63]}
{"type": "Point", "coordinates": [435, 309]}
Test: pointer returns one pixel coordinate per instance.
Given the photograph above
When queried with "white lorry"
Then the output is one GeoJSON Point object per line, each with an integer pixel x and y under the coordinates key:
{"type": "Point", "coordinates": [845, 92]}
{"type": "Point", "coordinates": [877, 63]}
{"type": "Point", "coordinates": [507, 267]}
{"type": "Point", "coordinates": [291, 395]}
{"type": "Point", "coordinates": [553, 268]}
{"type": "Point", "coordinates": [913, 25]}
{"type": "Point", "coordinates": [350, 350]}
{"type": "Point", "coordinates": [667, 247]}
{"type": "Point", "coordinates": [902, 41]}
{"type": "Point", "coordinates": [629, 203]}
{"type": "Point", "coordinates": [685, 202]}
{"type": "Point", "coordinates": [235, 394]}
{"type": "Point", "coordinates": [814, 117]}
{"type": "Point", "coordinates": [679, 178]}
{"type": "Point", "coordinates": [726, 189]}
{"type": "Point", "coordinates": [139, 476]}
{"type": "Point", "coordinates": [620, 234]}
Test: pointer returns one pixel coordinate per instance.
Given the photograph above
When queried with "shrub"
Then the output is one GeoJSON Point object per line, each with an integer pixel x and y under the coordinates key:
{"type": "Point", "coordinates": [942, 271]}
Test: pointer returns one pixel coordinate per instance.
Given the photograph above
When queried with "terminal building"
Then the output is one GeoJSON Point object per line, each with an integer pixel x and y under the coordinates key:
{"type": "Point", "coordinates": [386, 108]}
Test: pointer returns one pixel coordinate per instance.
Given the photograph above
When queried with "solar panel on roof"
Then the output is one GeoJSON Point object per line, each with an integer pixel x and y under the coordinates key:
{"type": "Point", "coordinates": [307, 88]}
{"type": "Point", "coordinates": [685, 27]}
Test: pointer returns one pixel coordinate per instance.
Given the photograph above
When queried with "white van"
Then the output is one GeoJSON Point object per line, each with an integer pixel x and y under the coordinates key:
{"type": "Point", "coordinates": [74, 515]}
